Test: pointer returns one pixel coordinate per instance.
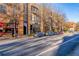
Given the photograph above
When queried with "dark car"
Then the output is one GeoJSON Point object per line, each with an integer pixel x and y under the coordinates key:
{"type": "Point", "coordinates": [50, 33]}
{"type": "Point", "coordinates": [39, 34]}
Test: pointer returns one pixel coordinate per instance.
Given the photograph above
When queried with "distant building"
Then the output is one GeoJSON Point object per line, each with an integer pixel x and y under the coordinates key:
{"type": "Point", "coordinates": [77, 26]}
{"type": "Point", "coordinates": [71, 26]}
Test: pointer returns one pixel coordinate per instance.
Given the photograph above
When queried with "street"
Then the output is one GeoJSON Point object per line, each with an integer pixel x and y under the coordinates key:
{"type": "Point", "coordinates": [43, 46]}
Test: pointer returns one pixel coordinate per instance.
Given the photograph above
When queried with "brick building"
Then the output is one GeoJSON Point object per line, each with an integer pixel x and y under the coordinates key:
{"type": "Point", "coordinates": [30, 18]}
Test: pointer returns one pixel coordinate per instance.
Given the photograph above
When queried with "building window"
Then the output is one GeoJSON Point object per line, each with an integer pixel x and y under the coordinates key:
{"type": "Point", "coordinates": [2, 9]}
{"type": "Point", "coordinates": [34, 9]}
{"type": "Point", "coordinates": [35, 23]}
{"type": "Point", "coordinates": [33, 19]}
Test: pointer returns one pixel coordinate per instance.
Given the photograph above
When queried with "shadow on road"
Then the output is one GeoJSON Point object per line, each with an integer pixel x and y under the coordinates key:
{"type": "Point", "coordinates": [68, 44]}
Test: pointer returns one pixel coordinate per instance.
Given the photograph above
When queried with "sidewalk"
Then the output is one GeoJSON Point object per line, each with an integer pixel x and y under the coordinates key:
{"type": "Point", "coordinates": [6, 40]}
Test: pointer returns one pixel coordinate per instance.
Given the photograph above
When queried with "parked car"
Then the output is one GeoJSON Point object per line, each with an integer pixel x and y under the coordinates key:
{"type": "Point", "coordinates": [61, 33]}
{"type": "Point", "coordinates": [50, 33]}
{"type": "Point", "coordinates": [56, 33]}
{"type": "Point", "coordinates": [39, 34]}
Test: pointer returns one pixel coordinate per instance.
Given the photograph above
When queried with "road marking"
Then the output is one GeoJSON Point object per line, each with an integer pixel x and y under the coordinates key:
{"type": "Point", "coordinates": [55, 46]}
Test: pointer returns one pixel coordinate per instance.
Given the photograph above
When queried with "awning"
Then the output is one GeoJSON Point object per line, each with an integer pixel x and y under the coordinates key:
{"type": "Point", "coordinates": [1, 24]}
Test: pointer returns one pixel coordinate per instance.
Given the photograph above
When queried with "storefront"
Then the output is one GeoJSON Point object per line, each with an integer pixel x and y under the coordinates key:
{"type": "Point", "coordinates": [1, 28]}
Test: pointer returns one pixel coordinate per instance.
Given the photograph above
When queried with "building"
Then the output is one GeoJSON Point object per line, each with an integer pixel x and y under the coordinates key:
{"type": "Point", "coordinates": [12, 12]}
{"type": "Point", "coordinates": [77, 26]}
{"type": "Point", "coordinates": [29, 18]}
{"type": "Point", "coordinates": [71, 26]}
{"type": "Point", "coordinates": [34, 18]}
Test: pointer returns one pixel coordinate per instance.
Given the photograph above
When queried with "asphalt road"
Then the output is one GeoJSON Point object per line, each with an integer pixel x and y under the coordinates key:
{"type": "Point", "coordinates": [35, 47]}
{"type": "Point", "coordinates": [68, 47]}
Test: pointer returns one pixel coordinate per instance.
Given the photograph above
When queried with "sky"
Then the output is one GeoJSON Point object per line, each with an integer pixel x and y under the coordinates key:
{"type": "Point", "coordinates": [71, 10]}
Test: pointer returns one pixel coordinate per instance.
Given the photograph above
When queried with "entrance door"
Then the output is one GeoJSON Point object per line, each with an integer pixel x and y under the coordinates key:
{"type": "Point", "coordinates": [24, 30]}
